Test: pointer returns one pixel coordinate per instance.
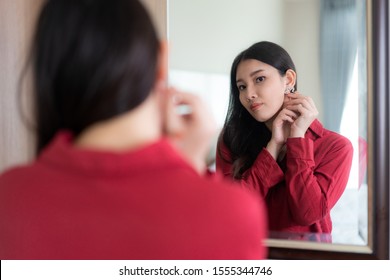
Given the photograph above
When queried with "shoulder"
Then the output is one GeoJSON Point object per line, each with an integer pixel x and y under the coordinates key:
{"type": "Point", "coordinates": [16, 173]}
{"type": "Point", "coordinates": [235, 218]}
{"type": "Point", "coordinates": [222, 149]}
{"type": "Point", "coordinates": [233, 197]}
{"type": "Point", "coordinates": [333, 145]}
{"type": "Point", "coordinates": [322, 135]}
{"type": "Point", "coordinates": [336, 139]}
{"type": "Point", "coordinates": [214, 180]}
{"type": "Point", "coordinates": [222, 191]}
{"type": "Point", "coordinates": [18, 180]}
{"type": "Point", "coordinates": [237, 209]}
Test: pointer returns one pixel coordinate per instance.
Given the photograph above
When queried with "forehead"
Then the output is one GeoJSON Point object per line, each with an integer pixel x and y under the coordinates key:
{"type": "Point", "coordinates": [246, 67]}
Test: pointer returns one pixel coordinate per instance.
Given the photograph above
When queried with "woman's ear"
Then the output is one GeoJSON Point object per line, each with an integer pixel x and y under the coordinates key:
{"type": "Point", "coordinates": [291, 77]}
{"type": "Point", "coordinates": [162, 63]}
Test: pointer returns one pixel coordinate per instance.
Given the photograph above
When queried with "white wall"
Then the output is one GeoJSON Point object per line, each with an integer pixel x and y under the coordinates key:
{"type": "Point", "coordinates": [301, 40]}
{"type": "Point", "coordinates": [17, 18]}
{"type": "Point", "coordinates": [206, 35]}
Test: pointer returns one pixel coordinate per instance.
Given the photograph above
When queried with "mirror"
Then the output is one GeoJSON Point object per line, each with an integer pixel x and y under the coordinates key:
{"type": "Point", "coordinates": [206, 35]}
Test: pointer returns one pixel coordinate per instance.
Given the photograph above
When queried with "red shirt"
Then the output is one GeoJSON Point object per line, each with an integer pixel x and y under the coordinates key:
{"type": "Point", "coordinates": [300, 190]}
{"type": "Point", "coordinates": [142, 204]}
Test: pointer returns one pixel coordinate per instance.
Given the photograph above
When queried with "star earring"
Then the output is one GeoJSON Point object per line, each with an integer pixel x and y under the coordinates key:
{"type": "Point", "coordinates": [289, 90]}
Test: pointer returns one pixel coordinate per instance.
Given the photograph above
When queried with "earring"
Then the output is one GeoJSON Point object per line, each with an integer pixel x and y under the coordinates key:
{"type": "Point", "coordinates": [289, 90]}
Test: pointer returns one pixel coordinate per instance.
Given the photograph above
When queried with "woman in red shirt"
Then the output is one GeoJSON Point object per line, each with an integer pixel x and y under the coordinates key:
{"type": "Point", "coordinates": [272, 143]}
{"type": "Point", "coordinates": [119, 174]}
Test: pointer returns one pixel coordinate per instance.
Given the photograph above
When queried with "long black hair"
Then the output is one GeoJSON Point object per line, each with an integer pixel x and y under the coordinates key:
{"type": "Point", "coordinates": [244, 136]}
{"type": "Point", "coordinates": [91, 60]}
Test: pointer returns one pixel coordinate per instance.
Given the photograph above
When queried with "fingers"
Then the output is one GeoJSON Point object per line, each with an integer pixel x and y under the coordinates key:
{"type": "Point", "coordinates": [302, 104]}
{"type": "Point", "coordinates": [287, 115]}
{"type": "Point", "coordinates": [172, 125]}
{"type": "Point", "coordinates": [190, 104]}
{"type": "Point", "coordinates": [197, 111]}
{"type": "Point", "coordinates": [191, 130]}
{"type": "Point", "coordinates": [298, 98]}
{"type": "Point", "coordinates": [305, 107]}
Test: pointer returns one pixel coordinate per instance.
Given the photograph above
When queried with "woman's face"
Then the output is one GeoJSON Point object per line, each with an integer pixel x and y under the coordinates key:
{"type": "Point", "coordinates": [261, 88]}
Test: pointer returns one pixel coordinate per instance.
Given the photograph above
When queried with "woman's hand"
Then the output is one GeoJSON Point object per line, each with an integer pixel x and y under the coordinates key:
{"type": "Point", "coordinates": [192, 131]}
{"type": "Point", "coordinates": [281, 127]}
{"type": "Point", "coordinates": [306, 112]}
{"type": "Point", "coordinates": [293, 120]}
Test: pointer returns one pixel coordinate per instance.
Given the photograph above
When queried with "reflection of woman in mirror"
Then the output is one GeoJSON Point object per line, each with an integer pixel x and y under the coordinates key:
{"type": "Point", "coordinates": [273, 144]}
{"type": "Point", "coordinates": [119, 174]}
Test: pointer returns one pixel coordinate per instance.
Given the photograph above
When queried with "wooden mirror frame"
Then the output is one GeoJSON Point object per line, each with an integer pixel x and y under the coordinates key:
{"type": "Point", "coordinates": [378, 154]}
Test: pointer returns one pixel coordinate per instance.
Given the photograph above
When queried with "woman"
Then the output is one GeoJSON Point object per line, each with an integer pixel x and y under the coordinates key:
{"type": "Point", "coordinates": [272, 143]}
{"type": "Point", "coordinates": [119, 174]}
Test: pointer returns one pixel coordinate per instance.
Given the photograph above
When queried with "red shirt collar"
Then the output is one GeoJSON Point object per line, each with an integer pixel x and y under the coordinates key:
{"type": "Point", "coordinates": [316, 130]}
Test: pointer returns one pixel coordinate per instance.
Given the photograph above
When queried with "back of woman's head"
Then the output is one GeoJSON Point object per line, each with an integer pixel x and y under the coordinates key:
{"type": "Point", "coordinates": [92, 60]}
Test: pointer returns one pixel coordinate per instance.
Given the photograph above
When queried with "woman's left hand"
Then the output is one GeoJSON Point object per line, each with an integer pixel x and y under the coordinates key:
{"type": "Point", "coordinates": [307, 112]}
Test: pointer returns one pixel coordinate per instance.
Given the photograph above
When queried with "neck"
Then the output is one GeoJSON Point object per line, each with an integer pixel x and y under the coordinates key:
{"type": "Point", "coordinates": [269, 123]}
{"type": "Point", "coordinates": [131, 130]}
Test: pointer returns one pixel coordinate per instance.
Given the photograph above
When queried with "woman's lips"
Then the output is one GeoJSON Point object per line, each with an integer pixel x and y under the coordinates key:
{"type": "Point", "coordinates": [256, 106]}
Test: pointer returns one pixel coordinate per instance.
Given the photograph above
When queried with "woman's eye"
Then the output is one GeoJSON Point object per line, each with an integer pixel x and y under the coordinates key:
{"type": "Point", "coordinates": [240, 87]}
{"type": "Point", "coordinates": [260, 79]}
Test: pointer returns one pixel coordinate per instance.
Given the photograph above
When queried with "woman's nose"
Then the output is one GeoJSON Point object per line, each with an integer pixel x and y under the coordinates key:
{"type": "Point", "coordinates": [251, 93]}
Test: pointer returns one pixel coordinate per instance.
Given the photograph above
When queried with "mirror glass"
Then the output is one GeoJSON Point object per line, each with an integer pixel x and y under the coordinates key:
{"type": "Point", "coordinates": [327, 41]}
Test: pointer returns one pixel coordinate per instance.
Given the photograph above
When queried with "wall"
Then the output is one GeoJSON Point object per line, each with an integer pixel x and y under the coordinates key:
{"type": "Point", "coordinates": [158, 11]}
{"type": "Point", "coordinates": [16, 22]}
{"type": "Point", "coordinates": [301, 40]}
{"type": "Point", "coordinates": [206, 35]}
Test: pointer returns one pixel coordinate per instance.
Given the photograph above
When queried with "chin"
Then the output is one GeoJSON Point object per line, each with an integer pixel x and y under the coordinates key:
{"type": "Point", "coordinates": [260, 118]}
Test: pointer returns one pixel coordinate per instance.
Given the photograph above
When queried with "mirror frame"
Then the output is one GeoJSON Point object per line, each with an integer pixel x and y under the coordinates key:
{"type": "Point", "coordinates": [378, 155]}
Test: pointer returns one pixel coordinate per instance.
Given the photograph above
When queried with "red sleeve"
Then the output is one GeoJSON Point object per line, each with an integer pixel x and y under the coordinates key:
{"type": "Point", "coordinates": [313, 190]}
{"type": "Point", "coordinates": [261, 176]}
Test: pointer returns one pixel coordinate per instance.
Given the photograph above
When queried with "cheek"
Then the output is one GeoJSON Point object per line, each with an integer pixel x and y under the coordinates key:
{"type": "Point", "coordinates": [279, 97]}
{"type": "Point", "coordinates": [242, 100]}
{"type": "Point", "coordinates": [280, 101]}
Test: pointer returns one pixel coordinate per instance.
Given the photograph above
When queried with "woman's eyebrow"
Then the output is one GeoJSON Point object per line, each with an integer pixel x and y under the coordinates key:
{"type": "Point", "coordinates": [252, 74]}
{"type": "Point", "coordinates": [256, 71]}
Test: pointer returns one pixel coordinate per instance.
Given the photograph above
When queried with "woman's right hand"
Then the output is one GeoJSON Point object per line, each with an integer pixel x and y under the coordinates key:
{"type": "Point", "coordinates": [281, 128]}
{"type": "Point", "coordinates": [191, 132]}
